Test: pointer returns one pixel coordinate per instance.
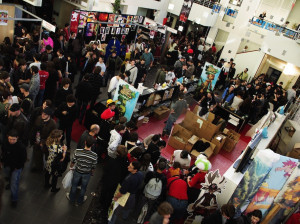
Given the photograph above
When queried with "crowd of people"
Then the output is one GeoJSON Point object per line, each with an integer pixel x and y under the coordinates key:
{"type": "Point", "coordinates": [39, 106]}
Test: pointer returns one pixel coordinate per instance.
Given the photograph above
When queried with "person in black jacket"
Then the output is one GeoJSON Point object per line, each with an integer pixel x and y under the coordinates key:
{"type": "Point", "coordinates": [113, 66]}
{"type": "Point", "coordinates": [142, 72]}
{"type": "Point", "coordinates": [63, 92]}
{"type": "Point", "coordinates": [96, 80]}
{"type": "Point", "coordinates": [72, 67]}
{"type": "Point", "coordinates": [88, 66]}
{"type": "Point", "coordinates": [66, 113]}
{"type": "Point", "coordinates": [13, 158]}
{"type": "Point", "coordinates": [83, 96]}
{"type": "Point", "coordinates": [226, 212]}
{"type": "Point", "coordinates": [114, 172]}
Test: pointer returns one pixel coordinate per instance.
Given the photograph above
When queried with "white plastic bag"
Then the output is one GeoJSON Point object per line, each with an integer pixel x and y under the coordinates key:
{"type": "Point", "coordinates": [67, 181]}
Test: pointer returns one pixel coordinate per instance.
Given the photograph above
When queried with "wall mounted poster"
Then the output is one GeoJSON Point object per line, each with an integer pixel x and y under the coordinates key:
{"type": "Point", "coordinates": [127, 97]}
{"type": "Point", "coordinates": [3, 16]}
{"type": "Point", "coordinates": [209, 77]}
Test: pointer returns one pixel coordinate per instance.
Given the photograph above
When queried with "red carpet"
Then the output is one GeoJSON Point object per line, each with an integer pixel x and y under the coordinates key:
{"type": "Point", "coordinates": [222, 161]}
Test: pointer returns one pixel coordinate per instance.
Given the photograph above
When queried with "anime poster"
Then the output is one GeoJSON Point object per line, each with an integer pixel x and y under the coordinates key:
{"type": "Point", "coordinates": [74, 22]}
{"type": "Point", "coordinates": [91, 29]}
{"type": "Point", "coordinates": [206, 203]}
{"type": "Point", "coordinates": [209, 77]}
{"type": "Point", "coordinates": [185, 10]}
{"type": "Point", "coordinates": [82, 19]}
{"type": "Point", "coordinates": [288, 197]}
{"type": "Point", "coordinates": [272, 185]}
{"type": "Point", "coordinates": [116, 24]}
{"type": "Point", "coordinates": [127, 97]}
{"type": "Point", "coordinates": [3, 16]}
{"type": "Point", "coordinates": [231, 12]}
{"type": "Point", "coordinates": [253, 178]}
{"type": "Point", "coordinates": [103, 17]}
{"type": "Point", "coordinates": [136, 19]}
{"type": "Point", "coordinates": [103, 37]}
{"type": "Point", "coordinates": [102, 30]}
{"type": "Point", "coordinates": [113, 31]}
{"type": "Point", "coordinates": [111, 19]}
{"type": "Point", "coordinates": [92, 17]}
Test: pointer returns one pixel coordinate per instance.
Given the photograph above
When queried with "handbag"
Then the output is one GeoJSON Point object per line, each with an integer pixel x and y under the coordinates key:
{"type": "Point", "coordinates": [67, 181]}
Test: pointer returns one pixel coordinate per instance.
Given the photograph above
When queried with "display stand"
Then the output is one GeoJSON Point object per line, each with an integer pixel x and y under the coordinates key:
{"type": "Point", "coordinates": [233, 178]}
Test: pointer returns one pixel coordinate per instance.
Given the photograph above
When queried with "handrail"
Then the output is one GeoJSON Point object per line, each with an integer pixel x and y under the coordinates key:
{"type": "Point", "coordinates": [271, 26]}
{"type": "Point", "coordinates": [207, 3]}
{"type": "Point", "coordinates": [247, 52]}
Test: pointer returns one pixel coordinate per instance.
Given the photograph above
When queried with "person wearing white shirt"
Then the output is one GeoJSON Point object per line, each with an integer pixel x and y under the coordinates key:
{"type": "Point", "coordinates": [170, 76]}
{"type": "Point", "coordinates": [133, 71]}
{"type": "Point", "coordinates": [113, 84]}
{"type": "Point", "coordinates": [37, 61]}
{"type": "Point", "coordinates": [183, 157]}
{"type": "Point", "coordinates": [101, 64]}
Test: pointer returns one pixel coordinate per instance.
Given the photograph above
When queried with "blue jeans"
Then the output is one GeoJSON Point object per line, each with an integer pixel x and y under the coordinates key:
{"type": "Point", "coordinates": [171, 120]}
{"type": "Point", "coordinates": [14, 181]}
{"type": "Point", "coordinates": [179, 207]}
{"type": "Point", "coordinates": [85, 177]}
{"type": "Point", "coordinates": [39, 98]}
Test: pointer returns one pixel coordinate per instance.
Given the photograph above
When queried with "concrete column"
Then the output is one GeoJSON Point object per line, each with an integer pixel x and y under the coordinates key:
{"type": "Point", "coordinates": [162, 13]}
{"type": "Point", "coordinates": [211, 36]}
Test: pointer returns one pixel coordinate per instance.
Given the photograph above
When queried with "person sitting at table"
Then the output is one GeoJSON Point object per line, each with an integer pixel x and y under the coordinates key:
{"type": "Point", "coordinates": [228, 94]}
{"type": "Point", "coordinates": [207, 104]}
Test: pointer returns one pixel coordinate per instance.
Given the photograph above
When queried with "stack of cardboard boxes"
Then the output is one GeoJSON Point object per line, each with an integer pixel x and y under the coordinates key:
{"type": "Point", "coordinates": [161, 112]}
{"type": "Point", "coordinates": [194, 128]}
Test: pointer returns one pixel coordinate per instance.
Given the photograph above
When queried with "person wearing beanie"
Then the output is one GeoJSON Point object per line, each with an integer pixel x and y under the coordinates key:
{"type": "Point", "coordinates": [194, 181]}
{"type": "Point", "coordinates": [109, 112]}
{"type": "Point", "coordinates": [222, 216]}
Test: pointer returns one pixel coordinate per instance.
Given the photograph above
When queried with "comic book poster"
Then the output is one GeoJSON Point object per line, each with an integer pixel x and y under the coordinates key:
{"type": "Point", "coordinates": [272, 185]}
{"type": "Point", "coordinates": [253, 179]}
{"type": "Point", "coordinates": [209, 77]}
{"type": "Point", "coordinates": [185, 10]}
{"type": "Point", "coordinates": [111, 19]}
{"type": "Point", "coordinates": [82, 19]}
{"type": "Point", "coordinates": [91, 29]}
{"type": "Point", "coordinates": [127, 97]}
{"type": "Point", "coordinates": [206, 203]}
{"type": "Point", "coordinates": [287, 198]}
{"type": "Point", "coordinates": [3, 16]}
{"type": "Point", "coordinates": [92, 17]}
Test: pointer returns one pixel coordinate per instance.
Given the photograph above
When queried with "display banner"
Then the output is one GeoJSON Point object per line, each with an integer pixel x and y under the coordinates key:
{"type": "Point", "coordinates": [3, 16]}
{"type": "Point", "coordinates": [74, 22]}
{"type": "Point", "coordinates": [209, 77]}
{"type": "Point", "coordinates": [185, 10]}
{"type": "Point", "coordinates": [127, 97]}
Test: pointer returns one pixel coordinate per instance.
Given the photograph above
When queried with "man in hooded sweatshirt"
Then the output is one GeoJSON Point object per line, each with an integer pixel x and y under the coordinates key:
{"type": "Point", "coordinates": [115, 140]}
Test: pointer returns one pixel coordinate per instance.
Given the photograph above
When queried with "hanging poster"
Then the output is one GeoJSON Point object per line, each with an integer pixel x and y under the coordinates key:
{"type": "Point", "coordinates": [103, 37]}
{"type": "Point", "coordinates": [82, 19]}
{"type": "Point", "coordinates": [206, 202]}
{"type": "Point", "coordinates": [127, 97]}
{"type": "Point", "coordinates": [3, 16]}
{"type": "Point", "coordinates": [107, 30]}
{"type": "Point", "coordinates": [185, 10]}
{"type": "Point", "coordinates": [111, 20]}
{"type": "Point", "coordinates": [90, 29]}
{"type": "Point", "coordinates": [272, 185]}
{"type": "Point", "coordinates": [102, 30]}
{"type": "Point", "coordinates": [74, 22]}
{"type": "Point", "coordinates": [287, 198]}
{"type": "Point", "coordinates": [209, 77]}
{"type": "Point", "coordinates": [112, 31]}
{"type": "Point", "coordinates": [118, 31]}
{"type": "Point", "coordinates": [92, 17]}
{"type": "Point", "coordinates": [103, 17]}
{"type": "Point", "coordinates": [126, 31]}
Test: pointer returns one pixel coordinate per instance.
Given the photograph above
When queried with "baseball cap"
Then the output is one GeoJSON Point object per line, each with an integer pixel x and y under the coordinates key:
{"type": "Point", "coordinates": [202, 163]}
{"type": "Point", "coordinates": [190, 51]}
{"type": "Point", "coordinates": [110, 101]}
{"type": "Point", "coordinates": [48, 111]}
{"type": "Point", "coordinates": [14, 107]}
{"type": "Point", "coordinates": [107, 114]}
{"type": "Point", "coordinates": [25, 87]}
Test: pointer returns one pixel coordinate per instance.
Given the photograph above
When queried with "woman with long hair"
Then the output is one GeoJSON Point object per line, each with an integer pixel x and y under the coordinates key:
{"type": "Point", "coordinates": [56, 159]}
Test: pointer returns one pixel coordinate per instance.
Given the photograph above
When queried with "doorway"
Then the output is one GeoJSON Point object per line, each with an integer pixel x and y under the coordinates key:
{"type": "Point", "coordinates": [273, 75]}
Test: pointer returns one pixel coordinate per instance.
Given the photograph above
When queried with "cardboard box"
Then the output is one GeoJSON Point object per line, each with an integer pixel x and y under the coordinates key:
{"type": "Point", "coordinates": [219, 141]}
{"type": "Point", "coordinates": [179, 132]}
{"type": "Point", "coordinates": [295, 153]}
{"type": "Point", "coordinates": [139, 122]}
{"type": "Point", "coordinates": [231, 140]}
{"type": "Point", "coordinates": [161, 113]}
{"type": "Point", "coordinates": [199, 127]}
{"type": "Point", "coordinates": [208, 152]}
{"type": "Point", "coordinates": [191, 142]}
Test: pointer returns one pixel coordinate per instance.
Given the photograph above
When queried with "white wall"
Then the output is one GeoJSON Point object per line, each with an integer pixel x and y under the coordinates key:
{"type": "Point", "coordinates": [278, 44]}
{"type": "Point", "coordinates": [177, 5]}
{"type": "Point", "coordinates": [252, 46]}
{"type": "Point", "coordinates": [250, 60]}
{"type": "Point", "coordinates": [202, 15]}
{"type": "Point", "coordinates": [294, 16]}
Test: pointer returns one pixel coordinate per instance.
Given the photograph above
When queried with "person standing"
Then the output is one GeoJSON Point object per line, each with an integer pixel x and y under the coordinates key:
{"type": "Point", "coordinates": [148, 56]}
{"type": "Point", "coordinates": [162, 215]}
{"type": "Point", "coordinates": [142, 73]}
{"type": "Point", "coordinates": [133, 72]}
{"type": "Point", "coordinates": [179, 107]}
{"type": "Point", "coordinates": [130, 185]}
{"type": "Point", "coordinates": [43, 78]}
{"type": "Point", "coordinates": [113, 65]}
{"type": "Point", "coordinates": [13, 158]}
{"type": "Point", "coordinates": [83, 96]}
{"type": "Point", "coordinates": [86, 162]}
{"type": "Point", "coordinates": [113, 84]}
{"type": "Point", "coordinates": [115, 140]}
{"type": "Point", "coordinates": [56, 156]}
{"type": "Point", "coordinates": [42, 127]}
{"type": "Point", "coordinates": [94, 130]}
{"type": "Point", "coordinates": [34, 84]}
{"type": "Point", "coordinates": [66, 113]}
{"type": "Point", "coordinates": [96, 80]}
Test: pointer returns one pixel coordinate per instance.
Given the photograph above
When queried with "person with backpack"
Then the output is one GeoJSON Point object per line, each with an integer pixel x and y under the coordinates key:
{"type": "Point", "coordinates": [154, 192]}
{"type": "Point", "coordinates": [133, 71]}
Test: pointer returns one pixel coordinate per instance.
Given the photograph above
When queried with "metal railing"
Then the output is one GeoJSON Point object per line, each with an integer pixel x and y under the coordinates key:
{"type": "Point", "coordinates": [278, 29]}
{"type": "Point", "coordinates": [207, 3]}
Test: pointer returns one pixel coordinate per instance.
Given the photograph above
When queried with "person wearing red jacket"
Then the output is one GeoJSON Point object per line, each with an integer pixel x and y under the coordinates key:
{"type": "Point", "coordinates": [43, 78]}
